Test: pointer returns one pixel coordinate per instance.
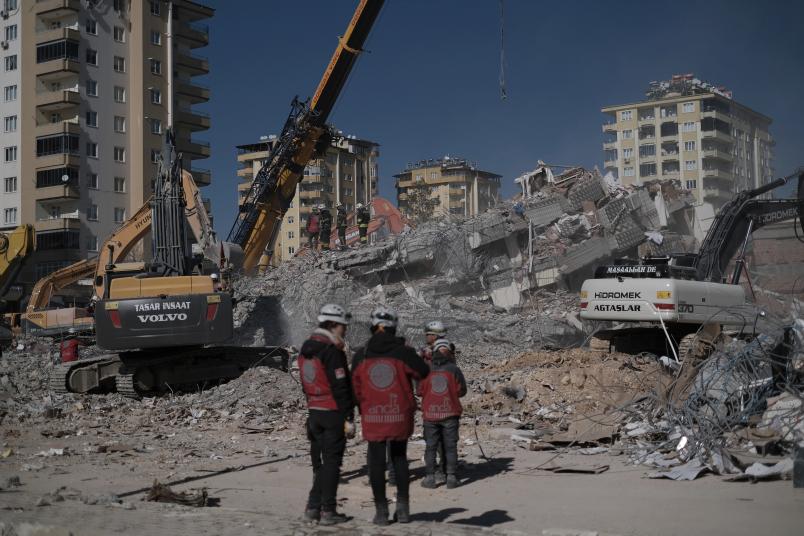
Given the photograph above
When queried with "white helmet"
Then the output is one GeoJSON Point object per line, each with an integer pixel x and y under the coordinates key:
{"type": "Point", "coordinates": [383, 316]}
{"type": "Point", "coordinates": [435, 328]}
{"type": "Point", "coordinates": [322, 206]}
{"type": "Point", "coordinates": [442, 343]}
{"type": "Point", "coordinates": [359, 205]}
{"type": "Point", "coordinates": [332, 312]}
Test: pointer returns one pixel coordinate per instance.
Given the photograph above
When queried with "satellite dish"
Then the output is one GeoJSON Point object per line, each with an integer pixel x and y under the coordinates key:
{"type": "Point", "coordinates": [65, 178]}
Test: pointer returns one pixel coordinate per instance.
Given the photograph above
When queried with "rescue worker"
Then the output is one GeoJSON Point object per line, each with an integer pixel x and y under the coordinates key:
{"type": "Point", "coordinates": [68, 348]}
{"type": "Point", "coordinates": [382, 375]}
{"type": "Point", "coordinates": [324, 372]}
{"type": "Point", "coordinates": [441, 412]}
{"type": "Point", "coordinates": [325, 223]}
{"type": "Point", "coordinates": [432, 332]}
{"type": "Point", "coordinates": [340, 223]}
{"type": "Point", "coordinates": [312, 229]}
{"type": "Point", "coordinates": [363, 219]}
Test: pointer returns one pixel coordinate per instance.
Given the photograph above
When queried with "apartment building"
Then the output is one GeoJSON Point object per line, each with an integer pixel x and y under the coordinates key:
{"type": "Point", "coordinates": [691, 131]}
{"type": "Point", "coordinates": [84, 110]}
{"type": "Point", "coordinates": [456, 184]}
{"type": "Point", "coordinates": [346, 174]}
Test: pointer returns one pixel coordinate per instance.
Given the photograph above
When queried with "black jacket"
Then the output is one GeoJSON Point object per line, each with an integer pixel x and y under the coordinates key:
{"type": "Point", "coordinates": [340, 219]}
{"type": "Point", "coordinates": [325, 220]}
{"type": "Point", "coordinates": [334, 361]}
{"type": "Point", "coordinates": [363, 216]}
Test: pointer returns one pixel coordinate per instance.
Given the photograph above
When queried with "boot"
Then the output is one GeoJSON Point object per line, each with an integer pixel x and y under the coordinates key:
{"type": "Point", "coordinates": [402, 514]}
{"type": "Point", "coordinates": [332, 518]}
{"type": "Point", "coordinates": [429, 482]}
{"type": "Point", "coordinates": [452, 482]}
{"type": "Point", "coordinates": [311, 515]}
{"type": "Point", "coordinates": [381, 514]}
{"type": "Point", "coordinates": [439, 477]}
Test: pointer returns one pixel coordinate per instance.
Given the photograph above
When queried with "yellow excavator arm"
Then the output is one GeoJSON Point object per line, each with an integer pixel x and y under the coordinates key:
{"type": "Point", "coordinates": [14, 248]}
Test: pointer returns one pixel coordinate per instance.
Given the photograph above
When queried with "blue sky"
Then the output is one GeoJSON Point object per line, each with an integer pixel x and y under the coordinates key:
{"type": "Point", "coordinates": [430, 84]}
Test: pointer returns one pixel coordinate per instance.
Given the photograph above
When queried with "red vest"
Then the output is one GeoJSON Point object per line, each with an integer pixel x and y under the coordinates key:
{"type": "Point", "coordinates": [386, 399]}
{"type": "Point", "coordinates": [440, 398]}
{"type": "Point", "coordinates": [316, 384]}
{"type": "Point", "coordinates": [69, 350]}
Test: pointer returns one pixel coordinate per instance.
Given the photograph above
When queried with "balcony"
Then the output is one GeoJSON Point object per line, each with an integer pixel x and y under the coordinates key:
{"type": "Point", "coordinates": [193, 93]}
{"type": "Point", "coordinates": [717, 114]}
{"type": "Point", "coordinates": [717, 174]}
{"type": "Point", "coordinates": [197, 65]}
{"type": "Point", "coordinates": [58, 160]}
{"type": "Point", "coordinates": [71, 32]}
{"type": "Point", "coordinates": [194, 149]}
{"type": "Point", "coordinates": [193, 33]}
{"type": "Point", "coordinates": [646, 120]}
{"type": "Point", "coordinates": [717, 153]}
{"type": "Point", "coordinates": [714, 194]}
{"type": "Point", "coordinates": [56, 8]}
{"type": "Point", "coordinates": [195, 120]}
{"type": "Point", "coordinates": [719, 135]}
{"type": "Point", "coordinates": [202, 177]}
{"type": "Point", "coordinates": [609, 127]}
{"type": "Point", "coordinates": [193, 11]}
{"type": "Point", "coordinates": [609, 145]}
{"type": "Point", "coordinates": [62, 191]}
{"type": "Point", "coordinates": [59, 127]}
{"type": "Point", "coordinates": [610, 163]}
{"type": "Point", "coordinates": [53, 101]}
{"type": "Point", "coordinates": [66, 222]}
{"type": "Point", "coordinates": [245, 172]}
{"type": "Point", "coordinates": [56, 69]}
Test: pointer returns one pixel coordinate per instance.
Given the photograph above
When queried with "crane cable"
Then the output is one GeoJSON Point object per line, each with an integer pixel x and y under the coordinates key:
{"type": "Point", "coordinates": [503, 91]}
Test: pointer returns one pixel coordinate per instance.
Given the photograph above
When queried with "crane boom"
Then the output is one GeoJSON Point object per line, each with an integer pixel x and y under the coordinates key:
{"type": "Point", "coordinates": [304, 134]}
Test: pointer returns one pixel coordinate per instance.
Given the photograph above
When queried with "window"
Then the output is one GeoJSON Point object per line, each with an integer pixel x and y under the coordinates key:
{"type": "Point", "coordinates": [628, 152]}
{"type": "Point", "coordinates": [156, 66]}
{"type": "Point", "coordinates": [10, 185]}
{"type": "Point", "coordinates": [688, 107]}
{"type": "Point", "coordinates": [155, 156]}
{"type": "Point", "coordinates": [119, 94]}
{"type": "Point", "coordinates": [91, 27]}
{"type": "Point", "coordinates": [119, 5]}
{"type": "Point", "coordinates": [11, 62]}
{"type": "Point", "coordinates": [55, 177]}
{"type": "Point", "coordinates": [647, 170]}
{"type": "Point", "coordinates": [119, 34]}
{"type": "Point", "coordinates": [119, 124]}
{"type": "Point", "coordinates": [689, 145]}
{"type": "Point", "coordinates": [692, 184]}
{"type": "Point", "coordinates": [92, 88]}
{"type": "Point", "coordinates": [11, 32]}
{"type": "Point", "coordinates": [119, 154]}
{"type": "Point", "coordinates": [92, 181]}
{"type": "Point", "coordinates": [10, 215]}
{"type": "Point", "coordinates": [120, 185]}
{"type": "Point", "coordinates": [690, 164]}
{"type": "Point", "coordinates": [10, 93]}
{"type": "Point", "coordinates": [92, 57]}
{"type": "Point", "coordinates": [155, 7]}
{"type": "Point", "coordinates": [92, 149]}
{"type": "Point", "coordinates": [57, 50]}
{"type": "Point", "coordinates": [92, 119]}
{"type": "Point", "coordinates": [92, 243]}
{"type": "Point", "coordinates": [647, 150]}
{"type": "Point", "coordinates": [156, 37]}
{"type": "Point", "coordinates": [11, 154]}
{"type": "Point", "coordinates": [688, 126]}
{"type": "Point", "coordinates": [156, 126]}
{"type": "Point", "coordinates": [92, 213]}
{"type": "Point", "coordinates": [291, 250]}
{"type": "Point", "coordinates": [156, 96]}
{"type": "Point", "coordinates": [57, 144]}
{"type": "Point", "coordinates": [290, 219]}
{"type": "Point", "coordinates": [290, 234]}
{"type": "Point", "coordinates": [628, 134]}
{"type": "Point", "coordinates": [119, 64]}
{"type": "Point", "coordinates": [626, 115]}
{"type": "Point", "coordinates": [347, 191]}
{"type": "Point", "coordinates": [11, 5]}
{"type": "Point", "coordinates": [119, 215]}
{"type": "Point", "coordinates": [10, 123]}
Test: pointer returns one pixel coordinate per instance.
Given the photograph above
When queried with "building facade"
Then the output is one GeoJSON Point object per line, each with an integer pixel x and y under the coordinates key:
{"type": "Point", "coordinates": [691, 131]}
{"type": "Point", "coordinates": [347, 174]}
{"type": "Point", "coordinates": [85, 103]}
{"type": "Point", "coordinates": [457, 185]}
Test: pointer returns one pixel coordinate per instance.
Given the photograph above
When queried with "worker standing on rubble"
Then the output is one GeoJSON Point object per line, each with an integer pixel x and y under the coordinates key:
{"type": "Point", "coordinates": [382, 375]}
{"type": "Point", "coordinates": [324, 372]}
{"type": "Point", "coordinates": [340, 224]}
{"type": "Point", "coordinates": [68, 348]}
{"type": "Point", "coordinates": [325, 222]}
{"type": "Point", "coordinates": [363, 219]}
{"type": "Point", "coordinates": [441, 411]}
{"type": "Point", "coordinates": [432, 332]}
{"type": "Point", "coordinates": [312, 229]}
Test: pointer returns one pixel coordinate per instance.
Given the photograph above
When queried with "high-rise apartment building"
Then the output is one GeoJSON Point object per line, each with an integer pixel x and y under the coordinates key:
{"type": "Point", "coordinates": [458, 186]}
{"type": "Point", "coordinates": [346, 174]}
{"type": "Point", "coordinates": [84, 108]}
{"type": "Point", "coordinates": [691, 131]}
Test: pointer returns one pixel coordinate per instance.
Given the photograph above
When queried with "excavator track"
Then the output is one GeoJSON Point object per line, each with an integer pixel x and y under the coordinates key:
{"type": "Point", "coordinates": [61, 376]}
{"type": "Point", "coordinates": [124, 384]}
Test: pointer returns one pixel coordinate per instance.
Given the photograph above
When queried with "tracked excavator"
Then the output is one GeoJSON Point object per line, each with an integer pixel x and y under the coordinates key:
{"type": "Point", "coordinates": [169, 325]}
{"type": "Point", "coordinates": [15, 247]}
{"type": "Point", "coordinates": [667, 302]}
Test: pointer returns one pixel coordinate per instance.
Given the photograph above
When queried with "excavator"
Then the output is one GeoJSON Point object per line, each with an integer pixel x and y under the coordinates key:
{"type": "Point", "coordinates": [15, 247]}
{"type": "Point", "coordinates": [669, 300]}
{"type": "Point", "coordinates": [169, 325]}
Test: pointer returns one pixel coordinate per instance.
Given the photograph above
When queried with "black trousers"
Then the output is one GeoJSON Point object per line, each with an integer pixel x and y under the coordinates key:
{"type": "Point", "coordinates": [363, 234]}
{"type": "Point", "coordinates": [327, 444]}
{"type": "Point", "coordinates": [376, 466]}
{"type": "Point", "coordinates": [342, 236]}
{"type": "Point", "coordinates": [446, 432]}
{"type": "Point", "coordinates": [324, 237]}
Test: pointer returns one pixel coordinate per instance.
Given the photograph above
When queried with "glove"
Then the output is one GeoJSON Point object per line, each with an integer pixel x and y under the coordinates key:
{"type": "Point", "coordinates": [349, 429]}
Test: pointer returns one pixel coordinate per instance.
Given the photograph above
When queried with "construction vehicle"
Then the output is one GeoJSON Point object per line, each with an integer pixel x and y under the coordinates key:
{"type": "Point", "coordinates": [15, 247]}
{"type": "Point", "coordinates": [675, 304]}
{"type": "Point", "coordinates": [170, 325]}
